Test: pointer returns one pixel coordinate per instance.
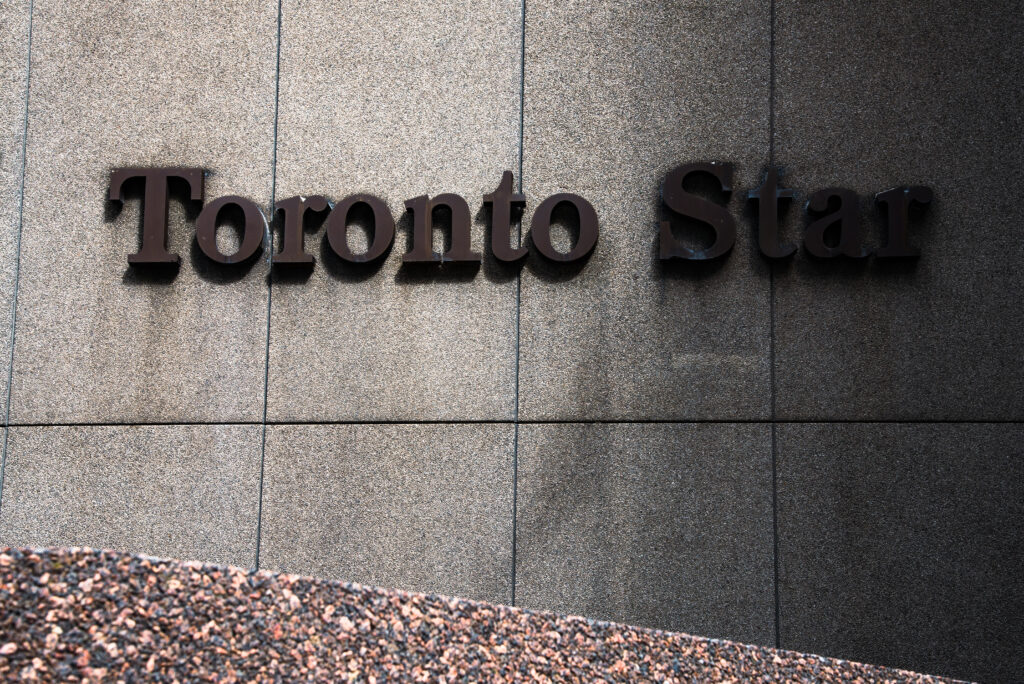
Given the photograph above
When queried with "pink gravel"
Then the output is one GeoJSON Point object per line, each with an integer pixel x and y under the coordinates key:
{"type": "Point", "coordinates": [84, 615]}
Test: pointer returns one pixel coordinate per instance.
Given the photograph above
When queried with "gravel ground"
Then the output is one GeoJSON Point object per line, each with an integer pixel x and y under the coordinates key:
{"type": "Point", "coordinates": [83, 615]}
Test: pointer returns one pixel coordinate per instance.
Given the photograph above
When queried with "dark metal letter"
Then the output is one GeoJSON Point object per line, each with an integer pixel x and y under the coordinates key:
{"type": "Point", "coordinates": [502, 200]}
{"type": "Point", "coordinates": [252, 232]}
{"type": "Point", "coordinates": [767, 197]}
{"type": "Point", "coordinates": [422, 208]}
{"type": "Point", "coordinates": [154, 216]}
{"type": "Point", "coordinates": [383, 228]}
{"type": "Point", "coordinates": [682, 202]}
{"type": "Point", "coordinates": [294, 208]}
{"type": "Point", "coordinates": [898, 201]}
{"type": "Point", "coordinates": [540, 227]}
{"type": "Point", "coordinates": [847, 216]}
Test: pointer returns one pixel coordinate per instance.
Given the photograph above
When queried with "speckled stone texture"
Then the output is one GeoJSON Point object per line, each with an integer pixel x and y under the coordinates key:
{"type": "Point", "coordinates": [78, 615]}
{"type": "Point", "coordinates": [618, 94]}
{"type": "Point", "coordinates": [136, 84]}
{"type": "Point", "coordinates": [188, 491]}
{"type": "Point", "coordinates": [909, 558]}
{"type": "Point", "coordinates": [14, 18]}
{"type": "Point", "coordinates": [870, 97]}
{"type": "Point", "coordinates": [897, 543]}
{"type": "Point", "coordinates": [424, 507]}
{"type": "Point", "coordinates": [666, 526]}
{"type": "Point", "coordinates": [396, 100]}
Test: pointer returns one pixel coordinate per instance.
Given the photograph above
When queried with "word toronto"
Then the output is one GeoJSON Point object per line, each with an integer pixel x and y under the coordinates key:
{"type": "Point", "coordinates": [834, 228]}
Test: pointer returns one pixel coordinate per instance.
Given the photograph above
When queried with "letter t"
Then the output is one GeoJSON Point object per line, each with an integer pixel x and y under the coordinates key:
{"type": "Point", "coordinates": [154, 208]}
{"type": "Point", "coordinates": [502, 200]}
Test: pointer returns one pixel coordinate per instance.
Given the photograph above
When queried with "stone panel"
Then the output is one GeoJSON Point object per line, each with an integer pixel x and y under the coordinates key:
{"type": "Point", "coordinates": [417, 507]}
{"type": "Point", "coordinates": [14, 17]}
{"type": "Point", "coordinates": [870, 98]}
{"type": "Point", "coordinates": [900, 545]}
{"type": "Point", "coordinates": [617, 95]}
{"type": "Point", "coordinates": [396, 100]}
{"type": "Point", "coordinates": [141, 84]}
{"type": "Point", "coordinates": [660, 525]}
{"type": "Point", "coordinates": [180, 491]}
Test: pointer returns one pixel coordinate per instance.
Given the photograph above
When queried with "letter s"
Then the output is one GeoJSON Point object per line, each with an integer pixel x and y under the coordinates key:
{"type": "Point", "coordinates": [682, 202]}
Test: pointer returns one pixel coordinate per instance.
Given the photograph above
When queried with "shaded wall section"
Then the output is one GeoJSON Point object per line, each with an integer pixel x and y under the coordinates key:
{"type": "Point", "coordinates": [823, 455]}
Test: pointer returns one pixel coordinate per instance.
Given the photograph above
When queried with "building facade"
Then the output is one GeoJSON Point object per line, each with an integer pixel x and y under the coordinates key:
{"type": "Point", "coordinates": [819, 453]}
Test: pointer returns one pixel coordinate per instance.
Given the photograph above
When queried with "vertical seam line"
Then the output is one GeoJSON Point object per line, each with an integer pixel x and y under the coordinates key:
{"type": "Point", "coordinates": [17, 249]}
{"type": "Point", "coordinates": [519, 291]}
{"type": "Point", "coordinates": [269, 240]}
{"type": "Point", "coordinates": [771, 339]}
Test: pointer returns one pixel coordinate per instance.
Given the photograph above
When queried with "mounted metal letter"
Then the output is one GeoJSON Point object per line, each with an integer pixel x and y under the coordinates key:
{"type": "Point", "coordinates": [293, 250]}
{"type": "Point", "coordinates": [253, 227]}
{"type": "Point", "coordinates": [898, 201]}
{"type": "Point", "coordinates": [383, 228]}
{"type": "Point", "coordinates": [540, 227]}
{"type": "Point", "coordinates": [154, 215]}
{"type": "Point", "coordinates": [690, 205]}
{"type": "Point", "coordinates": [422, 251]}
{"type": "Point", "coordinates": [844, 214]}
{"type": "Point", "coordinates": [502, 201]}
{"type": "Point", "coordinates": [767, 199]}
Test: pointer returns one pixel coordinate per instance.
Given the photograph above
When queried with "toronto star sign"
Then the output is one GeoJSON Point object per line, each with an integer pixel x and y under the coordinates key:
{"type": "Point", "coordinates": [833, 228]}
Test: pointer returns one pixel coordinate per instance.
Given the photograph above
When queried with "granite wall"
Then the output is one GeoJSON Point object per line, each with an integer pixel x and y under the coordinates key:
{"type": "Point", "coordinates": [824, 455]}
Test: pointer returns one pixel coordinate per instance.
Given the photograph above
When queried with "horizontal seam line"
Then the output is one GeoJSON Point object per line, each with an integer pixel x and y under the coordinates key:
{"type": "Point", "coordinates": [712, 421]}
